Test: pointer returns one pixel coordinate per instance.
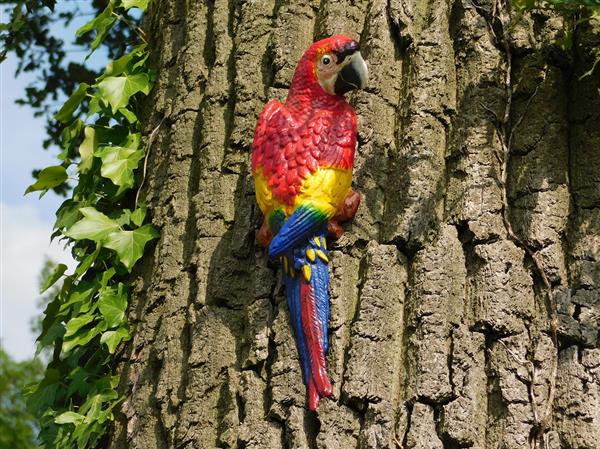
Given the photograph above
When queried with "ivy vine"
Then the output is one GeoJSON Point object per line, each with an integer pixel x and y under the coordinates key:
{"type": "Point", "coordinates": [574, 12]}
{"type": "Point", "coordinates": [104, 224]}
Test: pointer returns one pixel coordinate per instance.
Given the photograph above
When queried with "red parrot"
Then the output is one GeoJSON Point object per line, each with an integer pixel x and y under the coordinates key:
{"type": "Point", "coordinates": [302, 158]}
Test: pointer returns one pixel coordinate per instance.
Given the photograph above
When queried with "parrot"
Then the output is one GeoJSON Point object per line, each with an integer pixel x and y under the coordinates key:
{"type": "Point", "coordinates": [302, 160]}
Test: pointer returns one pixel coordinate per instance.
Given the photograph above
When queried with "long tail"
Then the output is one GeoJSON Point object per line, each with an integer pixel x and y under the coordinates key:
{"type": "Point", "coordinates": [307, 281]}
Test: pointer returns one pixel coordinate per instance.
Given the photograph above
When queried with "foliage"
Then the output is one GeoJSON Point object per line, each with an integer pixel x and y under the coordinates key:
{"type": "Point", "coordinates": [17, 425]}
{"type": "Point", "coordinates": [28, 35]}
{"type": "Point", "coordinates": [570, 9]}
{"type": "Point", "coordinates": [85, 321]}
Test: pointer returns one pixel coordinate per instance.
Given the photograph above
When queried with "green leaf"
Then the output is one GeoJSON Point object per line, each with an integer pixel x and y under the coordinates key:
{"type": "Point", "coordinates": [87, 262]}
{"type": "Point", "coordinates": [87, 148]}
{"type": "Point", "coordinates": [52, 328]}
{"type": "Point", "coordinates": [78, 300]}
{"type": "Point", "coordinates": [59, 270]}
{"type": "Point", "coordinates": [129, 245]}
{"type": "Point", "coordinates": [83, 337]}
{"type": "Point", "coordinates": [94, 106]}
{"type": "Point", "coordinates": [69, 418]}
{"type": "Point", "coordinates": [131, 141]}
{"type": "Point", "coordinates": [67, 214]}
{"type": "Point", "coordinates": [141, 4]}
{"type": "Point", "coordinates": [113, 338]}
{"type": "Point", "coordinates": [118, 164]}
{"type": "Point", "coordinates": [75, 324]}
{"type": "Point", "coordinates": [112, 305]}
{"type": "Point", "coordinates": [129, 116]}
{"type": "Point", "coordinates": [42, 395]}
{"type": "Point", "coordinates": [138, 215]}
{"type": "Point", "coordinates": [48, 178]}
{"type": "Point", "coordinates": [78, 381]}
{"type": "Point", "coordinates": [94, 226]}
{"type": "Point", "coordinates": [116, 90]}
{"type": "Point", "coordinates": [66, 111]}
{"type": "Point", "coordinates": [122, 217]}
{"type": "Point", "coordinates": [107, 276]}
{"type": "Point", "coordinates": [120, 65]}
{"type": "Point", "coordinates": [101, 24]}
{"type": "Point", "coordinates": [70, 134]}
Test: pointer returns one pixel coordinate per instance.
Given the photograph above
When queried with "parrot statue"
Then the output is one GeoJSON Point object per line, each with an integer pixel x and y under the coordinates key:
{"type": "Point", "coordinates": [302, 158]}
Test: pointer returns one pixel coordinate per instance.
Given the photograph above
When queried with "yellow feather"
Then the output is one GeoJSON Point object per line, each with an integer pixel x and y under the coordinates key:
{"type": "Point", "coordinates": [310, 253]}
{"type": "Point", "coordinates": [325, 189]}
{"type": "Point", "coordinates": [322, 255]}
{"type": "Point", "coordinates": [286, 264]}
{"type": "Point", "coordinates": [306, 272]}
{"type": "Point", "coordinates": [317, 241]}
{"type": "Point", "coordinates": [324, 243]}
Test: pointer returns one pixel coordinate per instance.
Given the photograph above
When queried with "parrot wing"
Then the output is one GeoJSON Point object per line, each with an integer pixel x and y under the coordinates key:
{"type": "Point", "coordinates": [262, 133]}
{"type": "Point", "coordinates": [286, 152]}
{"type": "Point", "coordinates": [302, 225]}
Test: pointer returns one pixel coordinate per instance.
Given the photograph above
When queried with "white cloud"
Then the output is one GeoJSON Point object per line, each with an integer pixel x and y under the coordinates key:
{"type": "Point", "coordinates": [24, 244]}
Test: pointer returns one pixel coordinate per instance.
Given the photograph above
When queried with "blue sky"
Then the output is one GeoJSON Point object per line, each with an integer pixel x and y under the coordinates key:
{"type": "Point", "coordinates": [25, 221]}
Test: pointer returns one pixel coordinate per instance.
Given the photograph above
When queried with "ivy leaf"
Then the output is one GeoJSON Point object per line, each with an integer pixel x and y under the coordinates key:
{"type": "Point", "coordinates": [117, 90]}
{"type": "Point", "coordinates": [118, 164]}
{"type": "Point", "coordinates": [120, 65]}
{"type": "Point", "coordinates": [69, 135]}
{"type": "Point", "coordinates": [87, 148]}
{"type": "Point", "coordinates": [83, 337]}
{"type": "Point", "coordinates": [51, 327]}
{"type": "Point", "coordinates": [138, 215]}
{"type": "Point", "coordinates": [67, 214]}
{"type": "Point", "coordinates": [112, 305]}
{"type": "Point", "coordinates": [129, 115]}
{"type": "Point", "coordinates": [48, 178]}
{"type": "Point", "coordinates": [141, 4]}
{"type": "Point", "coordinates": [129, 245]}
{"type": "Point", "coordinates": [79, 299]}
{"type": "Point", "coordinates": [71, 105]}
{"type": "Point", "coordinates": [69, 418]}
{"type": "Point", "coordinates": [43, 394]}
{"type": "Point", "coordinates": [113, 338]}
{"type": "Point", "coordinates": [101, 24]}
{"type": "Point", "coordinates": [59, 270]}
{"type": "Point", "coordinates": [94, 226]}
{"type": "Point", "coordinates": [75, 324]}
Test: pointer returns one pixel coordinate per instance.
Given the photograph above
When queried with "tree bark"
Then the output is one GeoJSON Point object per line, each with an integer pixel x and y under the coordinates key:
{"type": "Point", "coordinates": [479, 168]}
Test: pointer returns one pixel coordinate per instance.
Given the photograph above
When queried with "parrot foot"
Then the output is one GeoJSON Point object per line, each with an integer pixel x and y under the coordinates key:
{"type": "Point", "coordinates": [264, 235]}
{"type": "Point", "coordinates": [346, 212]}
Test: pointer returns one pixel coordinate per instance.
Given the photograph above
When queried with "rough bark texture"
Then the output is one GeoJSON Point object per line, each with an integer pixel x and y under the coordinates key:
{"type": "Point", "coordinates": [479, 165]}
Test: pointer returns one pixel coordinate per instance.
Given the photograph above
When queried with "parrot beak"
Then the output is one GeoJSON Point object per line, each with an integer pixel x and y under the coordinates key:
{"type": "Point", "coordinates": [354, 74]}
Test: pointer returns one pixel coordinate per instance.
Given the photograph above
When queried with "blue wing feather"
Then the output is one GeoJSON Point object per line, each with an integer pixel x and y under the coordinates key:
{"type": "Point", "coordinates": [301, 226]}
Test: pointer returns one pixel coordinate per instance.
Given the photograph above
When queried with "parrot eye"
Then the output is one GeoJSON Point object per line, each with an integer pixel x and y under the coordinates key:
{"type": "Point", "coordinates": [326, 60]}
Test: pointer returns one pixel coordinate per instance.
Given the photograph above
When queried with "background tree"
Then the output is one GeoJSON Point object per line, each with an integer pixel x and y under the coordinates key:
{"type": "Point", "coordinates": [480, 173]}
{"type": "Point", "coordinates": [17, 426]}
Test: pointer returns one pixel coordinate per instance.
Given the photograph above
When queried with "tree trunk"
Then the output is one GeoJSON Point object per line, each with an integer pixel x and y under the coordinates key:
{"type": "Point", "coordinates": [479, 169]}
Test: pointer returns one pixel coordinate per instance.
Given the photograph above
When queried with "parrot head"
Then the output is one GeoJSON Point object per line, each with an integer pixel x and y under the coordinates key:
{"type": "Point", "coordinates": [335, 64]}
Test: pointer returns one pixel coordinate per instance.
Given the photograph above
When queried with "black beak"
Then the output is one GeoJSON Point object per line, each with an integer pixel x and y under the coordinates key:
{"type": "Point", "coordinates": [354, 75]}
{"type": "Point", "coordinates": [349, 49]}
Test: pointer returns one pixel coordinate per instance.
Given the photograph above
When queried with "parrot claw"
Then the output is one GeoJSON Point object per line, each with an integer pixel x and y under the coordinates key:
{"type": "Point", "coordinates": [264, 235]}
{"type": "Point", "coordinates": [346, 212]}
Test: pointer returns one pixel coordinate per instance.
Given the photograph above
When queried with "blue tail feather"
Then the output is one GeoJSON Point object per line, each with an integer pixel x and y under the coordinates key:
{"type": "Point", "coordinates": [292, 285]}
{"type": "Point", "coordinates": [295, 264]}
